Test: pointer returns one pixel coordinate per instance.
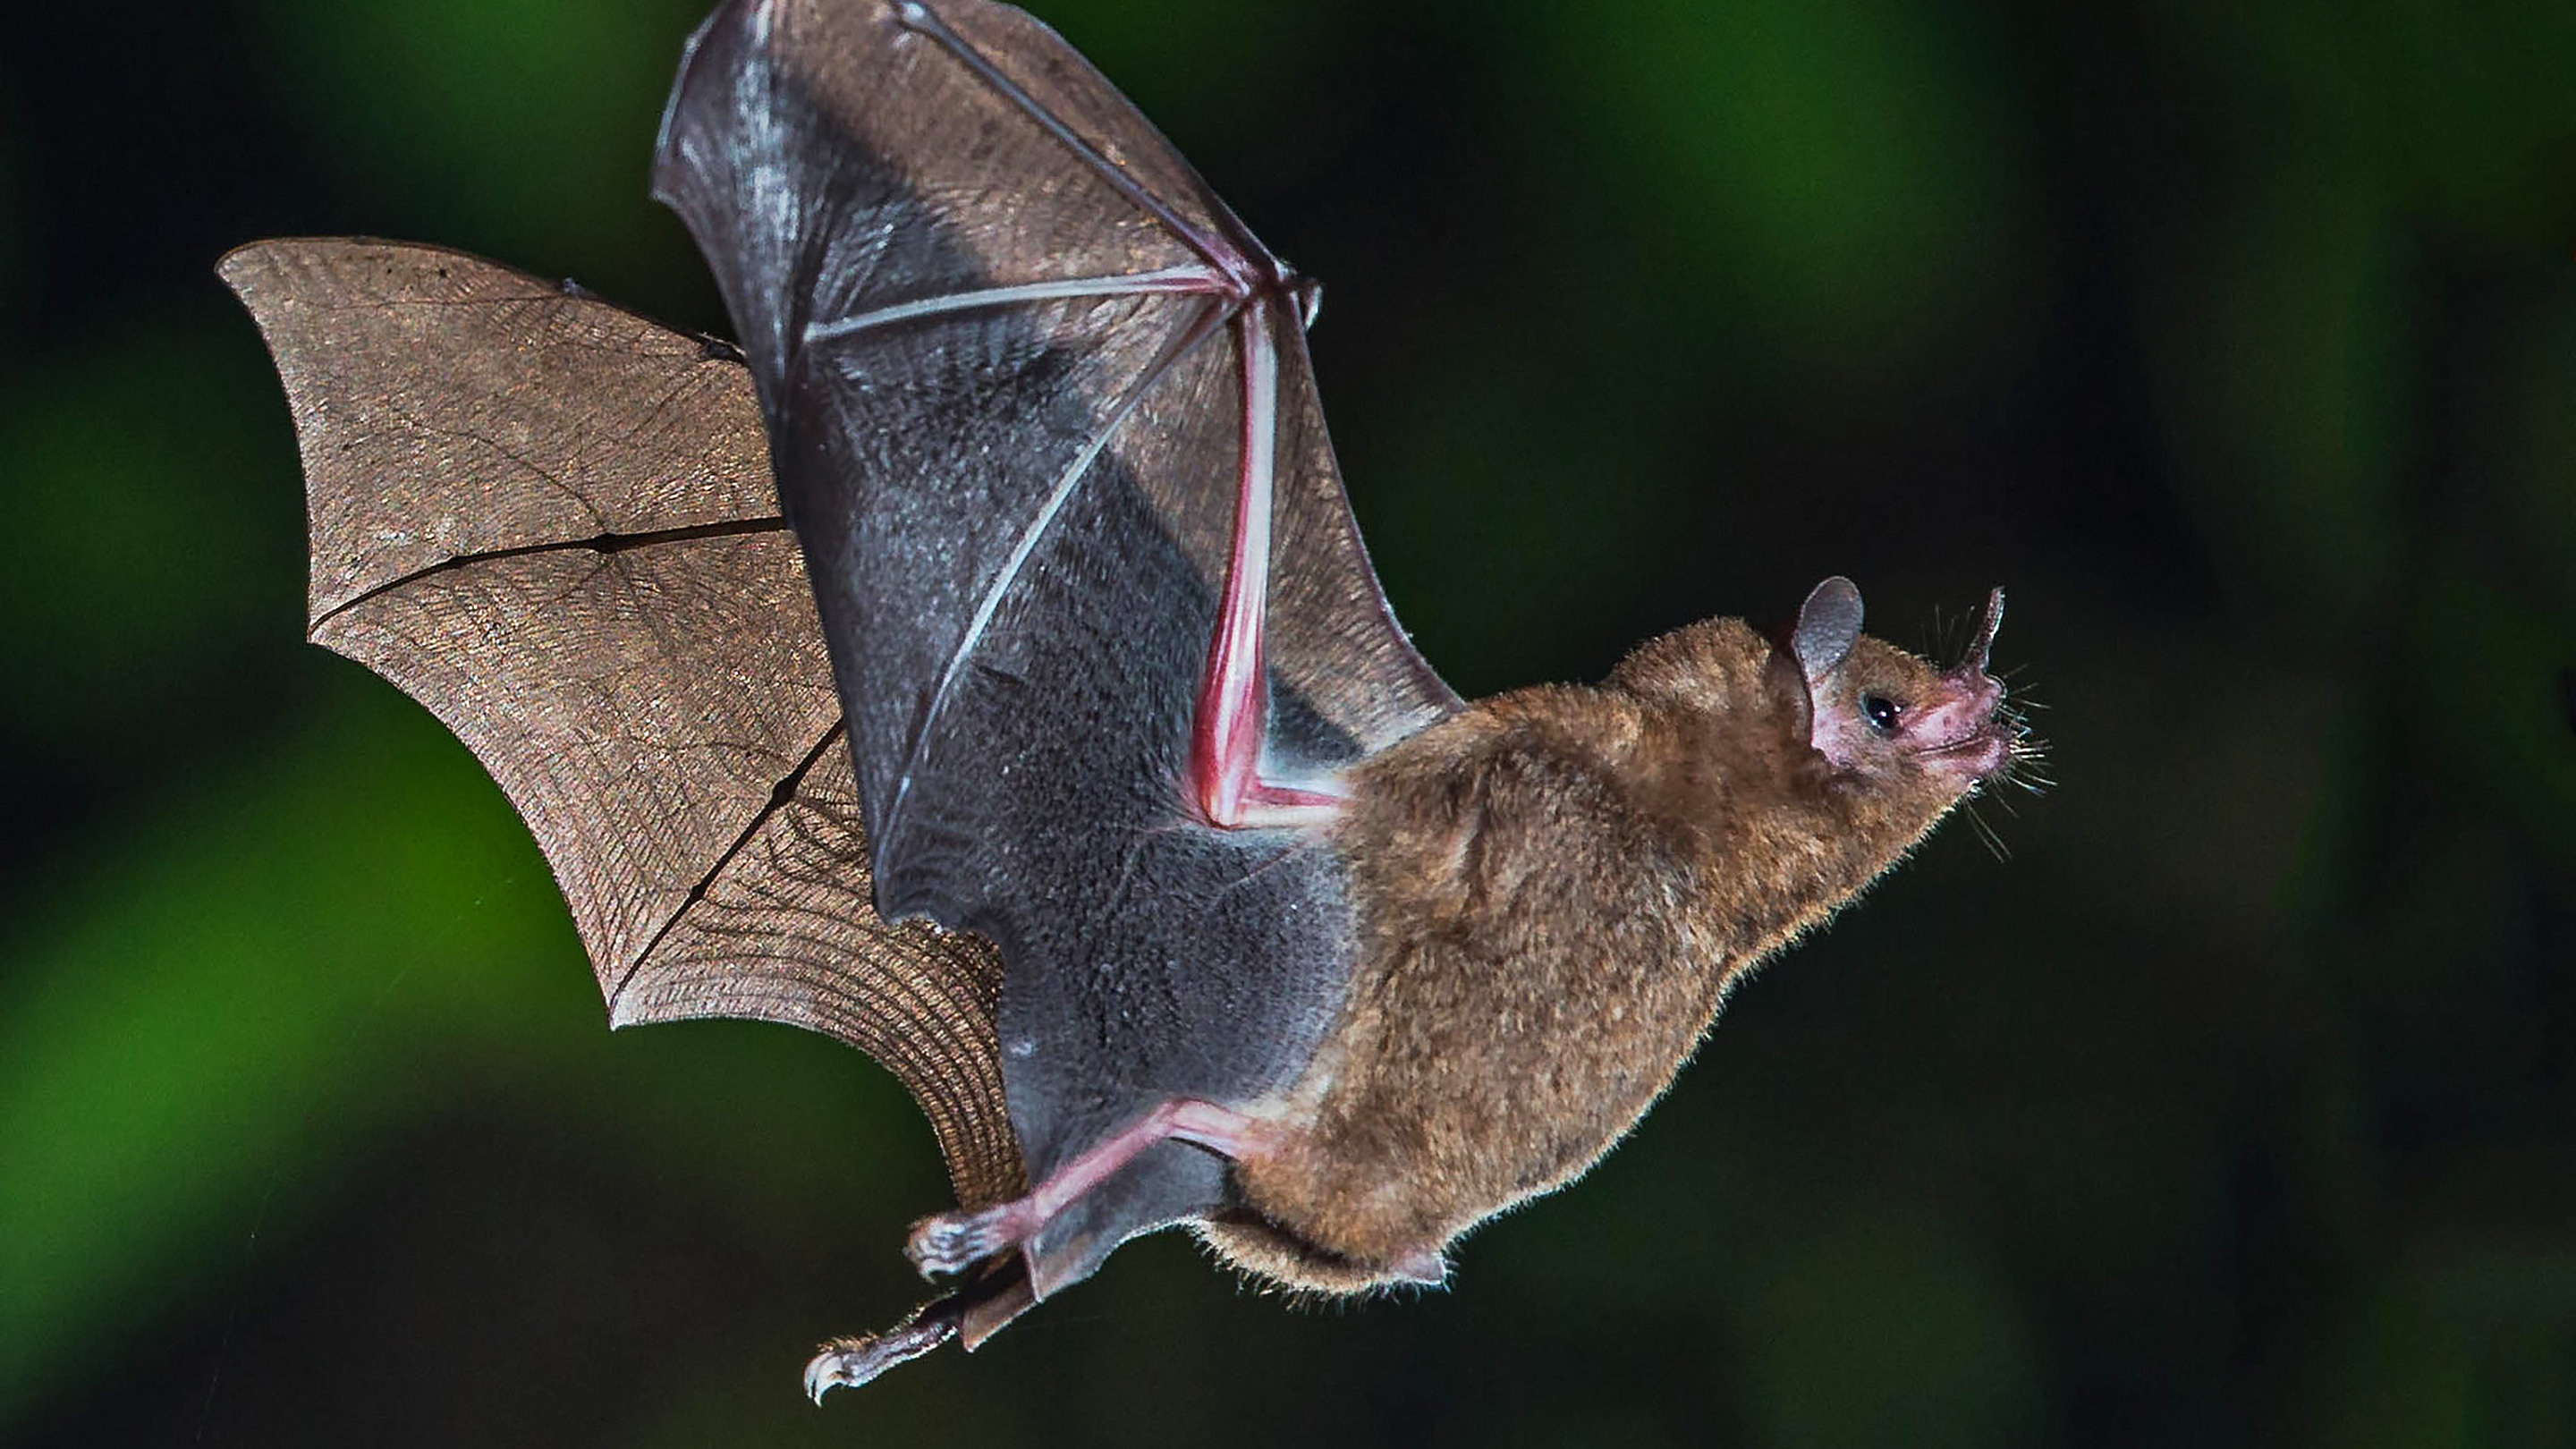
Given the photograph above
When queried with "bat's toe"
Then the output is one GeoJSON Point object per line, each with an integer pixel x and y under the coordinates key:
{"type": "Point", "coordinates": [953, 1242]}
{"type": "Point", "coordinates": [839, 1366]}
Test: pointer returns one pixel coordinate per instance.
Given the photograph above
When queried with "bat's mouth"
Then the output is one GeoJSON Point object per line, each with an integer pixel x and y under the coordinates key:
{"type": "Point", "coordinates": [1978, 754]}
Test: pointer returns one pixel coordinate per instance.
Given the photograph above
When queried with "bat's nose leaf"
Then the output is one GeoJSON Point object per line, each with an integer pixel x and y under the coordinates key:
{"type": "Point", "coordinates": [1984, 642]}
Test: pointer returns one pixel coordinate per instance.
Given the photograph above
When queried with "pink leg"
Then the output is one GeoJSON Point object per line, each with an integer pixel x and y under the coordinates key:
{"type": "Point", "coordinates": [1234, 695]}
{"type": "Point", "coordinates": [953, 1242]}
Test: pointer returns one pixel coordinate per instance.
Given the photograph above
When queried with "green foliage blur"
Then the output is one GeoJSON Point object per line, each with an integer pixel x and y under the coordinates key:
{"type": "Point", "coordinates": [2236, 1107]}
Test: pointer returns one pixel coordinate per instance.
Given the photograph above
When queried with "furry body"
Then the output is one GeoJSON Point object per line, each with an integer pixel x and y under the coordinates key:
{"type": "Point", "coordinates": [1556, 889]}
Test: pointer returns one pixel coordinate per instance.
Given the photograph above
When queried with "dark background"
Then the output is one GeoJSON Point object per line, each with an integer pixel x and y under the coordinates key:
{"type": "Point", "coordinates": [2234, 1108]}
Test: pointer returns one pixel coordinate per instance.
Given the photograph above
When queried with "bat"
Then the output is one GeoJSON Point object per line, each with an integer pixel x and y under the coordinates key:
{"type": "Point", "coordinates": [978, 662]}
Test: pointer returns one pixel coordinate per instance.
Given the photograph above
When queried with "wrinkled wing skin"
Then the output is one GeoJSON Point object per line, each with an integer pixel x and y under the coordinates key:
{"type": "Point", "coordinates": [1007, 407]}
{"type": "Point", "coordinates": [551, 522]}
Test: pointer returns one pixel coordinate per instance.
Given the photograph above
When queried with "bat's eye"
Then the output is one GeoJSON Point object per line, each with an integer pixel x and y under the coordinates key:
{"type": "Point", "coordinates": [1882, 711]}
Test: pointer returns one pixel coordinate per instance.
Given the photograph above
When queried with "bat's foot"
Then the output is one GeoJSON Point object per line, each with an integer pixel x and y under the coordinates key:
{"type": "Point", "coordinates": [954, 1242]}
{"type": "Point", "coordinates": [973, 1313]}
{"type": "Point", "coordinates": [846, 1363]}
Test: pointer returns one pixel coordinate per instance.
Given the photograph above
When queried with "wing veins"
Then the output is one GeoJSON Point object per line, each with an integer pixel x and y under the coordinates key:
{"type": "Point", "coordinates": [1132, 284]}
{"type": "Point", "coordinates": [780, 796]}
{"type": "Point", "coordinates": [1211, 315]}
{"type": "Point", "coordinates": [1229, 254]}
{"type": "Point", "coordinates": [601, 543]}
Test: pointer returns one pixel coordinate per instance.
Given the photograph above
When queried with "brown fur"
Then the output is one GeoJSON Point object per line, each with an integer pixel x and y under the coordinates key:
{"type": "Point", "coordinates": [1555, 890]}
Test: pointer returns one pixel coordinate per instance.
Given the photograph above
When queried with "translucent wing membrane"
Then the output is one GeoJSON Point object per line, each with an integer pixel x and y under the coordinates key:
{"type": "Point", "coordinates": [930, 139]}
{"type": "Point", "coordinates": [1020, 365]}
{"type": "Point", "coordinates": [849, 163]}
{"type": "Point", "coordinates": [1333, 640]}
{"type": "Point", "coordinates": [551, 522]}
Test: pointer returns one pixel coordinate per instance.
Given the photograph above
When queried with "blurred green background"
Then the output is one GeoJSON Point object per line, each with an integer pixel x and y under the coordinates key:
{"type": "Point", "coordinates": [2237, 1107]}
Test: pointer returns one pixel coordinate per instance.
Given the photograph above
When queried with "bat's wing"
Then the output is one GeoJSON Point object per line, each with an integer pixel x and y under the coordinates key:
{"type": "Point", "coordinates": [1025, 375]}
{"type": "Point", "coordinates": [551, 522]}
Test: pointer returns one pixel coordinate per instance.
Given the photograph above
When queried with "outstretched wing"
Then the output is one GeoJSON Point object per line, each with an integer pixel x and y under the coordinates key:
{"type": "Point", "coordinates": [551, 522]}
{"type": "Point", "coordinates": [1022, 372]}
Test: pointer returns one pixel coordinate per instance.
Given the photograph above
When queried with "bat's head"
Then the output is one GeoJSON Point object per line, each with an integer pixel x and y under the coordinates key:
{"type": "Point", "coordinates": [1820, 754]}
{"type": "Point", "coordinates": [1891, 727]}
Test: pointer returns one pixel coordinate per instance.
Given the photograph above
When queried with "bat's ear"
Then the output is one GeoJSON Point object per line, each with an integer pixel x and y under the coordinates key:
{"type": "Point", "coordinates": [1828, 627]}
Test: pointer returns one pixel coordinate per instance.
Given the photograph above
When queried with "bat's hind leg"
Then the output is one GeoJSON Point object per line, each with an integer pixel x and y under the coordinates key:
{"type": "Point", "coordinates": [954, 1242]}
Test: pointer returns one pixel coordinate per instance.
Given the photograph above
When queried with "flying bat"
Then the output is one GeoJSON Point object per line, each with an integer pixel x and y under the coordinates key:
{"type": "Point", "coordinates": [978, 663]}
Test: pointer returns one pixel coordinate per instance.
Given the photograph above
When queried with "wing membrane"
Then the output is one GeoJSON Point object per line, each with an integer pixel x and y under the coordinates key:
{"type": "Point", "coordinates": [996, 323]}
{"type": "Point", "coordinates": [428, 373]}
{"type": "Point", "coordinates": [841, 148]}
{"type": "Point", "coordinates": [640, 707]}
{"type": "Point", "coordinates": [1334, 642]}
{"type": "Point", "coordinates": [788, 933]}
{"type": "Point", "coordinates": [551, 522]}
{"type": "Point", "coordinates": [993, 419]}
{"type": "Point", "coordinates": [839, 160]}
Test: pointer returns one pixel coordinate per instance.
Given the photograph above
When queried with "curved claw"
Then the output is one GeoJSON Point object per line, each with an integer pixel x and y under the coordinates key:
{"type": "Point", "coordinates": [970, 1315]}
{"type": "Point", "coordinates": [846, 1363]}
{"type": "Point", "coordinates": [954, 1242]}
